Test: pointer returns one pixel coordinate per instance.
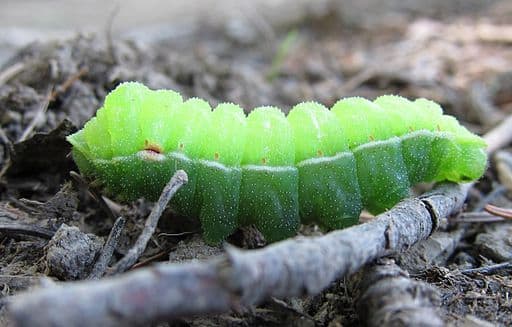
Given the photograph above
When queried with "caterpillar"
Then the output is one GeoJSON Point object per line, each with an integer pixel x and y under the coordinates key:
{"type": "Point", "coordinates": [270, 169]}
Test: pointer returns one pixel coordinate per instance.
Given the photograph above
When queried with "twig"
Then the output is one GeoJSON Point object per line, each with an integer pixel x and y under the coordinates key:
{"type": "Point", "coordinates": [10, 72]}
{"type": "Point", "coordinates": [177, 234]}
{"type": "Point", "coordinates": [488, 269]}
{"type": "Point", "coordinates": [496, 192]}
{"type": "Point", "coordinates": [288, 307]}
{"type": "Point", "coordinates": [108, 33]}
{"type": "Point", "coordinates": [357, 80]}
{"type": "Point", "coordinates": [390, 298]}
{"type": "Point", "coordinates": [499, 135]}
{"type": "Point", "coordinates": [50, 96]}
{"type": "Point", "coordinates": [475, 217]}
{"type": "Point", "coordinates": [101, 265]}
{"type": "Point", "coordinates": [39, 114]}
{"type": "Point", "coordinates": [179, 179]}
{"type": "Point", "coordinates": [159, 255]}
{"type": "Point", "coordinates": [237, 278]}
{"type": "Point", "coordinates": [24, 229]}
{"type": "Point", "coordinates": [8, 149]}
{"type": "Point", "coordinates": [500, 212]}
{"type": "Point", "coordinates": [67, 83]}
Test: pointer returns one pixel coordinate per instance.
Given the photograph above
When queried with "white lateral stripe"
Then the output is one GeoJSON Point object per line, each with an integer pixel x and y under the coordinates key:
{"type": "Point", "coordinates": [178, 155]}
{"type": "Point", "coordinates": [276, 169]}
{"type": "Point", "coordinates": [311, 161]}
{"type": "Point", "coordinates": [391, 140]}
{"type": "Point", "coordinates": [318, 160]}
{"type": "Point", "coordinates": [217, 165]}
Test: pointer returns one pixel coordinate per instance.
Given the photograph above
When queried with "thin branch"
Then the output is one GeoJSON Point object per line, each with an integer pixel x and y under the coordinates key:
{"type": "Point", "coordinates": [101, 265]}
{"type": "Point", "coordinates": [500, 212]}
{"type": "Point", "coordinates": [488, 269]}
{"type": "Point", "coordinates": [39, 114]}
{"type": "Point", "coordinates": [67, 83]}
{"type": "Point", "coordinates": [159, 255]}
{"type": "Point", "coordinates": [475, 217]}
{"type": "Point", "coordinates": [179, 179]}
{"type": "Point", "coordinates": [286, 306]}
{"type": "Point", "coordinates": [495, 193]}
{"type": "Point", "coordinates": [8, 150]}
{"type": "Point", "coordinates": [390, 298]}
{"type": "Point", "coordinates": [237, 278]}
{"type": "Point", "coordinates": [499, 135]}
{"type": "Point", "coordinates": [10, 72]}
{"type": "Point", "coordinates": [24, 229]}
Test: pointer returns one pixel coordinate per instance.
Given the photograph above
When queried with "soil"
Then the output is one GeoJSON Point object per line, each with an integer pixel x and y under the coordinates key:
{"type": "Point", "coordinates": [50, 89]}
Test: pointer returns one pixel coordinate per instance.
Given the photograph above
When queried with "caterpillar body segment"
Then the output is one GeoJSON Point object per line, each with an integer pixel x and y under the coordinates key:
{"type": "Point", "coordinates": [268, 169]}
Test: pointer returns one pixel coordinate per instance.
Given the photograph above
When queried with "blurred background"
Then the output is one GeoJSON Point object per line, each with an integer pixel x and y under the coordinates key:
{"type": "Point", "coordinates": [24, 21]}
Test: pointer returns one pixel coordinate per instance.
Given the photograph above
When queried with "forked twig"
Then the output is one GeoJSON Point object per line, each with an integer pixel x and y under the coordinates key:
{"type": "Point", "coordinates": [179, 179]}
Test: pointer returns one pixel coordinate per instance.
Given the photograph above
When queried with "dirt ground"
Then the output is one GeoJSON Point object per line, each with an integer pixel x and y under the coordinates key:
{"type": "Point", "coordinates": [461, 59]}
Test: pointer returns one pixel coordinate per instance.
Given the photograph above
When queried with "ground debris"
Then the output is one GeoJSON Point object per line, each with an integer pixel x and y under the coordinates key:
{"type": "Point", "coordinates": [496, 242]}
{"type": "Point", "coordinates": [71, 253]}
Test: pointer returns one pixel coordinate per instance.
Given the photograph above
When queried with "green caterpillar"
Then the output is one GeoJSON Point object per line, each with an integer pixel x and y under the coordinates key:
{"type": "Point", "coordinates": [268, 169]}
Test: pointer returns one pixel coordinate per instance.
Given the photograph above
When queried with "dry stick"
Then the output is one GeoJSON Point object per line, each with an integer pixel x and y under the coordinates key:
{"type": "Point", "coordinates": [490, 197]}
{"type": "Point", "coordinates": [499, 135]}
{"type": "Point", "coordinates": [39, 114]}
{"type": "Point", "coordinates": [303, 265]}
{"type": "Point", "coordinates": [51, 95]}
{"type": "Point", "coordinates": [488, 269]}
{"type": "Point", "coordinates": [500, 212]}
{"type": "Point", "coordinates": [390, 298]}
{"type": "Point", "coordinates": [286, 306]}
{"type": "Point", "coordinates": [67, 83]}
{"type": "Point", "coordinates": [8, 151]}
{"type": "Point", "coordinates": [24, 229]}
{"type": "Point", "coordinates": [179, 179]}
{"type": "Point", "coordinates": [10, 72]}
{"type": "Point", "coordinates": [101, 265]}
{"type": "Point", "coordinates": [476, 217]}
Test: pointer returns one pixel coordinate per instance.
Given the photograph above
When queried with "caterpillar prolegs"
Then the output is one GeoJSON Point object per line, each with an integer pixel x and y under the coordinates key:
{"type": "Point", "coordinates": [270, 169]}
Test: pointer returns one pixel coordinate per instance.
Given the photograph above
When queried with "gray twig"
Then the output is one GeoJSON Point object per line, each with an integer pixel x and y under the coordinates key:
{"type": "Point", "coordinates": [8, 150]}
{"type": "Point", "coordinates": [237, 278]}
{"type": "Point", "coordinates": [390, 298]}
{"type": "Point", "coordinates": [179, 179]}
{"type": "Point", "coordinates": [38, 116]}
{"type": "Point", "coordinates": [24, 229]}
{"type": "Point", "coordinates": [10, 72]}
{"type": "Point", "coordinates": [101, 265]}
{"type": "Point", "coordinates": [488, 269]}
